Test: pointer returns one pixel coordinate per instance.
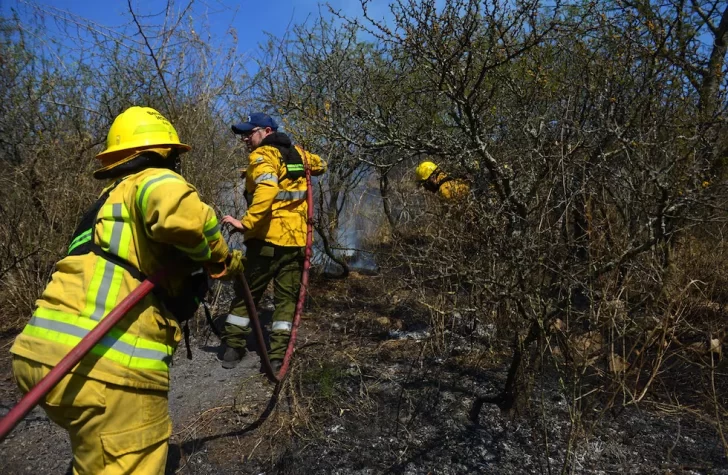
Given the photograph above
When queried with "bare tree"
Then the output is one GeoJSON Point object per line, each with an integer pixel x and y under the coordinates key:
{"type": "Point", "coordinates": [590, 133]}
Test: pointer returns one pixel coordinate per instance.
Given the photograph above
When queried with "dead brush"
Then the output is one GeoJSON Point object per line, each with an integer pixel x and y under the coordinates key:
{"type": "Point", "coordinates": [301, 407]}
{"type": "Point", "coordinates": [667, 355]}
{"type": "Point", "coordinates": [37, 217]}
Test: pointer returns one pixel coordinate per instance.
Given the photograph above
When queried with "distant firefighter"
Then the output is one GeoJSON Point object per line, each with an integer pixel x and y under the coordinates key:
{"type": "Point", "coordinates": [434, 179]}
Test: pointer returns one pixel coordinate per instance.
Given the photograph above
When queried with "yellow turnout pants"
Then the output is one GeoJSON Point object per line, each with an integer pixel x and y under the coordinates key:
{"type": "Point", "coordinates": [114, 429]}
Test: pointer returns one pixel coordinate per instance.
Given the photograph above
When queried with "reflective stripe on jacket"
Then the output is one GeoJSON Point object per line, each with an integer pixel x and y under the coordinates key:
{"type": "Point", "coordinates": [278, 210]}
{"type": "Point", "coordinates": [152, 219]}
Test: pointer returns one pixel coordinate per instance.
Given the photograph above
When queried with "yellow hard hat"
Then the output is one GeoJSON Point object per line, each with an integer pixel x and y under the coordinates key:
{"type": "Point", "coordinates": [424, 170]}
{"type": "Point", "coordinates": [139, 128]}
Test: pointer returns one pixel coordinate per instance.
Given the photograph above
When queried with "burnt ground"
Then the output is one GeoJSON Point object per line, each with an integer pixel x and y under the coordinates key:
{"type": "Point", "coordinates": [373, 390]}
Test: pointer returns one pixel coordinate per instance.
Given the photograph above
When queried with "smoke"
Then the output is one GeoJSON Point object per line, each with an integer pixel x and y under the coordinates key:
{"type": "Point", "coordinates": [231, 201]}
{"type": "Point", "coordinates": [359, 221]}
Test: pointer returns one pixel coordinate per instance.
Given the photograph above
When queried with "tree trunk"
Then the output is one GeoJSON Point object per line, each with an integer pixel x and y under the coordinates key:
{"type": "Point", "coordinates": [711, 79]}
{"type": "Point", "coordinates": [383, 191]}
{"type": "Point", "coordinates": [514, 398]}
{"type": "Point", "coordinates": [332, 255]}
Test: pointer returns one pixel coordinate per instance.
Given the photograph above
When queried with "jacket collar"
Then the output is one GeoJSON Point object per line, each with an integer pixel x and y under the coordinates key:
{"type": "Point", "coordinates": [276, 139]}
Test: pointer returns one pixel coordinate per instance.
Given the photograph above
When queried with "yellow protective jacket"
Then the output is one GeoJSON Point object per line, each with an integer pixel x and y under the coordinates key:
{"type": "Point", "coordinates": [277, 207]}
{"type": "Point", "coordinates": [453, 190]}
{"type": "Point", "coordinates": [152, 219]}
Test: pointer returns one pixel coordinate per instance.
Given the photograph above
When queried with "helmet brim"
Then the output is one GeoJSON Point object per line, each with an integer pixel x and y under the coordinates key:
{"type": "Point", "coordinates": [122, 151]}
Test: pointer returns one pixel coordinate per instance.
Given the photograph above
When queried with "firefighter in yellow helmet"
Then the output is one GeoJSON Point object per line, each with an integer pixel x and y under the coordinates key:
{"type": "Point", "coordinates": [274, 227]}
{"type": "Point", "coordinates": [114, 402]}
{"type": "Point", "coordinates": [433, 179]}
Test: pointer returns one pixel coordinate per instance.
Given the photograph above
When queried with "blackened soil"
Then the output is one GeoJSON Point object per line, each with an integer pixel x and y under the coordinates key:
{"type": "Point", "coordinates": [375, 390]}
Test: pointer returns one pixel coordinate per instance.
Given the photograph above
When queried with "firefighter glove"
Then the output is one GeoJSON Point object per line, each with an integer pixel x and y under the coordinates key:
{"type": "Point", "coordinates": [233, 266]}
{"type": "Point", "coordinates": [235, 263]}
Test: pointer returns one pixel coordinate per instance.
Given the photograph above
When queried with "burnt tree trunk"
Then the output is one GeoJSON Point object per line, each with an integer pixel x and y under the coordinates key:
{"type": "Point", "coordinates": [525, 363]}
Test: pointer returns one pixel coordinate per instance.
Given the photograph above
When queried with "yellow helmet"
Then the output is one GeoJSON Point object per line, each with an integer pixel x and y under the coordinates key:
{"type": "Point", "coordinates": [139, 128]}
{"type": "Point", "coordinates": [424, 170]}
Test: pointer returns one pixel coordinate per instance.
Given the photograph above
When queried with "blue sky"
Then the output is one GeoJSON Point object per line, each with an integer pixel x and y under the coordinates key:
{"type": "Point", "coordinates": [65, 40]}
{"type": "Point", "coordinates": [251, 19]}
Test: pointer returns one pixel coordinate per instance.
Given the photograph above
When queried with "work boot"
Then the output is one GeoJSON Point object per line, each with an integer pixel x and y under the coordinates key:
{"type": "Point", "coordinates": [232, 357]}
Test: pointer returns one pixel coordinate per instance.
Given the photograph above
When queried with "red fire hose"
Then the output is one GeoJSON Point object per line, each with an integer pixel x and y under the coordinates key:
{"type": "Point", "coordinates": [257, 329]}
{"type": "Point", "coordinates": [68, 362]}
{"type": "Point", "coordinates": [34, 396]}
{"type": "Point", "coordinates": [304, 276]}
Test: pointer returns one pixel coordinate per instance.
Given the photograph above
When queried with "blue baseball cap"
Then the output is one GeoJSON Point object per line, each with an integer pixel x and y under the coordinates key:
{"type": "Point", "coordinates": [257, 119]}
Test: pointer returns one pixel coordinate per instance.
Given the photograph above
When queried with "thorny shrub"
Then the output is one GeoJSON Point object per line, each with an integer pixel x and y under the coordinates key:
{"type": "Point", "coordinates": [594, 138]}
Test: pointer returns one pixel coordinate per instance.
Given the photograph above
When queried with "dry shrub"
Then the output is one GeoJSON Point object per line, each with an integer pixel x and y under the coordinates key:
{"type": "Point", "coordinates": [57, 106]}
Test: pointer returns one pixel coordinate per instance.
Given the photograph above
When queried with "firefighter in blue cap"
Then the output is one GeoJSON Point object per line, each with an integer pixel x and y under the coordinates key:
{"type": "Point", "coordinates": [274, 229]}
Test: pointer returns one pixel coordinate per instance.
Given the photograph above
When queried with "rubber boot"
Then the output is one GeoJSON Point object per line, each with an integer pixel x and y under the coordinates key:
{"type": "Point", "coordinates": [232, 357]}
{"type": "Point", "coordinates": [235, 339]}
